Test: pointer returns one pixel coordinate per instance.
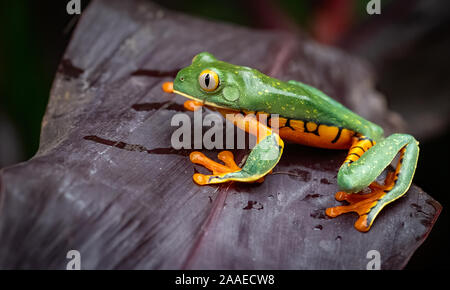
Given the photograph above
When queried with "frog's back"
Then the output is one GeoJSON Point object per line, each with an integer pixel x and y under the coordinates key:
{"type": "Point", "coordinates": [336, 113]}
{"type": "Point", "coordinates": [308, 116]}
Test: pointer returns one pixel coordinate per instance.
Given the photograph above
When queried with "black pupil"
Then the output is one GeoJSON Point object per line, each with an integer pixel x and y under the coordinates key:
{"type": "Point", "coordinates": [207, 80]}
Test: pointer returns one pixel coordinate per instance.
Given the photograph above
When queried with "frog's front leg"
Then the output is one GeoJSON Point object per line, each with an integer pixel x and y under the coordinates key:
{"type": "Point", "coordinates": [364, 163]}
{"type": "Point", "coordinates": [261, 160]}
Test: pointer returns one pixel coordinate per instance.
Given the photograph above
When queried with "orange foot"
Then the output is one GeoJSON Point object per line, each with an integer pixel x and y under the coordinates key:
{"type": "Point", "coordinates": [362, 203]}
{"type": "Point", "coordinates": [216, 168]}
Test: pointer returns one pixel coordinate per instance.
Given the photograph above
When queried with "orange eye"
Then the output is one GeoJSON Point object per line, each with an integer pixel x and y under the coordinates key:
{"type": "Point", "coordinates": [208, 80]}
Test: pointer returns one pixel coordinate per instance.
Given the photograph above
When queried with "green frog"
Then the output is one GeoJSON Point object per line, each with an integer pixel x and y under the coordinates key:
{"type": "Point", "coordinates": [299, 113]}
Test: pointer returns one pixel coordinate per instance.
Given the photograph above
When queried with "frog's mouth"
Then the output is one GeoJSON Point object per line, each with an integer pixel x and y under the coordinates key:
{"type": "Point", "coordinates": [168, 88]}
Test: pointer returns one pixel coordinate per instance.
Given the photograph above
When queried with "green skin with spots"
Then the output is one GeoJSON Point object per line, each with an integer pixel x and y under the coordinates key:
{"type": "Point", "coordinates": [243, 88]}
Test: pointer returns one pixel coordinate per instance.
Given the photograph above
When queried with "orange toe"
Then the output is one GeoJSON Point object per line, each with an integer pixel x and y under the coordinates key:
{"type": "Point", "coordinates": [228, 158]}
{"type": "Point", "coordinates": [200, 179]}
{"type": "Point", "coordinates": [361, 224]}
{"type": "Point", "coordinates": [332, 212]}
{"type": "Point", "coordinates": [192, 105]}
{"type": "Point", "coordinates": [340, 195]}
{"type": "Point", "coordinates": [167, 87]}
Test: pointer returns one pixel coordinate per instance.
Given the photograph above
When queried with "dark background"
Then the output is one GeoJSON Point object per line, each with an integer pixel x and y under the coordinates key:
{"type": "Point", "coordinates": [408, 46]}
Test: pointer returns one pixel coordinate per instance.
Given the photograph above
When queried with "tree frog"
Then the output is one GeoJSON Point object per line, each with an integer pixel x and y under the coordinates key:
{"type": "Point", "coordinates": [305, 115]}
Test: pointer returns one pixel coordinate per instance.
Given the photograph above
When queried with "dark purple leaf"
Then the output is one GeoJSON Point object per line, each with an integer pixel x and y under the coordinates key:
{"type": "Point", "coordinates": [107, 183]}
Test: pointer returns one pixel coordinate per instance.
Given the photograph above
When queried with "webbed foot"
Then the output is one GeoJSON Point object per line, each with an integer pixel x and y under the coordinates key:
{"type": "Point", "coordinates": [362, 203]}
{"type": "Point", "coordinates": [219, 171]}
{"type": "Point", "coordinates": [354, 176]}
{"type": "Point", "coordinates": [216, 168]}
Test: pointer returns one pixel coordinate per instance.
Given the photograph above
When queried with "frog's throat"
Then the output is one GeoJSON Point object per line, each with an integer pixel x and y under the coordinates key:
{"type": "Point", "coordinates": [204, 102]}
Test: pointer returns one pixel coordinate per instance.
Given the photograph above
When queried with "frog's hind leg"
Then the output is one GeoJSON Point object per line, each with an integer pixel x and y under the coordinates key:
{"type": "Point", "coordinates": [263, 157]}
{"type": "Point", "coordinates": [358, 173]}
{"type": "Point", "coordinates": [362, 203]}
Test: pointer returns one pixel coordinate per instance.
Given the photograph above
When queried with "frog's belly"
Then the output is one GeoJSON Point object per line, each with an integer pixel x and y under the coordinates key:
{"type": "Point", "coordinates": [312, 134]}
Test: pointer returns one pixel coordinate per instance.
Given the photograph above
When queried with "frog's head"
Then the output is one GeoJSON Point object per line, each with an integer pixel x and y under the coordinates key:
{"type": "Point", "coordinates": [213, 82]}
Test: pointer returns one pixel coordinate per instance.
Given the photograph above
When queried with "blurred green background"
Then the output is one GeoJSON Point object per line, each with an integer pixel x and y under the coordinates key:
{"type": "Point", "coordinates": [407, 44]}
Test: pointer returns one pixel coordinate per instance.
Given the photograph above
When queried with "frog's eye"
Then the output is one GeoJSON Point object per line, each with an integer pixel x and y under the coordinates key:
{"type": "Point", "coordinates": [208, 80]}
